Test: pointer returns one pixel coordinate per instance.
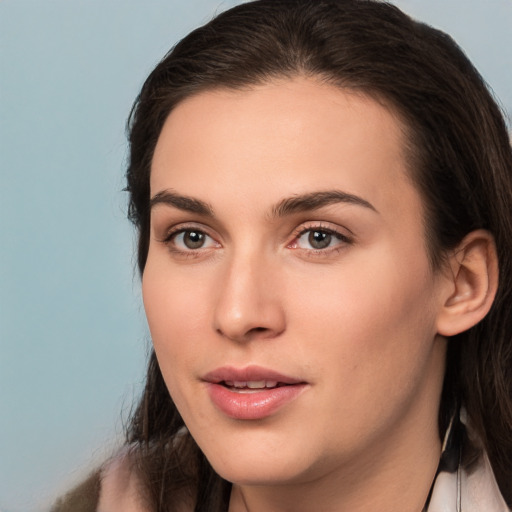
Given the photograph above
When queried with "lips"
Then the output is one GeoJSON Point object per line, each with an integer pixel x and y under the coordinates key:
{"type": "Point", "coordinates": [251, 393]}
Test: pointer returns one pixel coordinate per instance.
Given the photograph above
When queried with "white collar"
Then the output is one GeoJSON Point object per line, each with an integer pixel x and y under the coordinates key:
{"type": "Point", "coordinates": [462, 491]}
{"type": "Point", "coordinates": [472, 490]}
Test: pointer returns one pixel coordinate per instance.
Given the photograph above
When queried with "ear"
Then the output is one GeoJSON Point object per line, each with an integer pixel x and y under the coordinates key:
{"type": "Point", "coordinates": [471, 284]}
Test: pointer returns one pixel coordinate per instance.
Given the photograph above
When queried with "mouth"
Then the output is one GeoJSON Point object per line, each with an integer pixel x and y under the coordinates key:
{"type": "Point", "coordinates": [251, 393]}
{"type": "Point", "coordinates": [252, 386]}
{"type": "Point", "coordinates": [252, 377]}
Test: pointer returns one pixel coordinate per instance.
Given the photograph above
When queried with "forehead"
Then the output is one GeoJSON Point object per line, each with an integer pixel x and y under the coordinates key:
{"type": "Point", "coordinates": [282, 138]}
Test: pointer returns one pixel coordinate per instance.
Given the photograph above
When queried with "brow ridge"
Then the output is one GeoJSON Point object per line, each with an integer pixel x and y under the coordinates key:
{"type": "Point", "coordinates": [186, 203]}
{"type": "Point", "coordinates": [315, 201]}
{"type": "Point", "coordinates": [287, 206]}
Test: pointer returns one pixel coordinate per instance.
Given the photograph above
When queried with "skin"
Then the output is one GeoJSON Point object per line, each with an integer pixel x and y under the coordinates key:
{"type": "Point", "coordinates": [357, 320]}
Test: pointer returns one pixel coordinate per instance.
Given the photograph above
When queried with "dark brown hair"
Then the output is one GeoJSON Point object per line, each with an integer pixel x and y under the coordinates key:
{"type": "Point", "coordinates": [459, 158]}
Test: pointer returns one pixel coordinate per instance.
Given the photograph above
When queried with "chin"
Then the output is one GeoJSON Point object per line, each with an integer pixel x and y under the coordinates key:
{"type": "Point", "coordinates": [260, 463]}
{"type": "Point", "coordinates": [259, 473]}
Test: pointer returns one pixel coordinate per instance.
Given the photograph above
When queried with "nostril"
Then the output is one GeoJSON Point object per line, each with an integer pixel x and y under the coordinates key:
{"type": "Point", "coordinates": [255, 331]}
{"type": "Point", "coordinates": [247, 335]}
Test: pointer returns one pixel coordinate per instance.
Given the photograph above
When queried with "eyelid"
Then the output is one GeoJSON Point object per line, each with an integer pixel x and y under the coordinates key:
{"type": "Point", "coordinates": [174, 231]}
{"type": "Point", "coordinates": [185, 226]}
{"type": "Point", "coordinates": [334, 230]}
{"type": "Point", "coordinates": [323, 226]}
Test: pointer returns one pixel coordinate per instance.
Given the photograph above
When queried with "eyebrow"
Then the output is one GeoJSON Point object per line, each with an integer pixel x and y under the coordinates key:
{"type": "Point", "coordinates": [288, 206]}
{"type": "Point", "coordinates": [186, 203]}
{"type": "Point", "coordinates": [317, 200]}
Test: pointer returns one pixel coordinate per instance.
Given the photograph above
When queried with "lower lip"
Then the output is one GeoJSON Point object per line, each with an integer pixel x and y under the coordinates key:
{"type": "Point", "coordinates": [253, 405]}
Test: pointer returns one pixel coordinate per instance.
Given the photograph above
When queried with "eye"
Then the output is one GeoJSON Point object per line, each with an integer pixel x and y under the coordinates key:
{"type": "Point", "coordinates": [190, 240]}
{"type": "Point", "coordinates": [319, 239]}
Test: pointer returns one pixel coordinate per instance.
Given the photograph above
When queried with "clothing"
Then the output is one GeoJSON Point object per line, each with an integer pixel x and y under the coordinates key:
{"type": "Point", "coordinates": [83, 498]}
{"type": "Point", "coordinates": [467, 492]}
{"type": "Point", "coordinates": [457, 489]}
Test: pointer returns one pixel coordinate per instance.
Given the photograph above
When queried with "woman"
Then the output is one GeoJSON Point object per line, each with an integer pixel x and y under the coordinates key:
{"type": "Point", "coordinates": [322, 193]}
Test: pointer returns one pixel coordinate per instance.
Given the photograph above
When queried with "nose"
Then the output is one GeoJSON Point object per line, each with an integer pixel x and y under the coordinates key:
{"type": "Point", "coordinates": [250, 305]}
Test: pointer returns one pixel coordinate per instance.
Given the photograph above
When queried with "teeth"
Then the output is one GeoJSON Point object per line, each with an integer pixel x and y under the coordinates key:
{"type": "Point", "coordinates": [251, 384]}
{"type": "Point", "coordinates": [256, 384]}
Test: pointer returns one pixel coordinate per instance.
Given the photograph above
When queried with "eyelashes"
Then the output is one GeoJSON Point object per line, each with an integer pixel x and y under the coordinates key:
{"type": "Point", "coordinates": [310, 239]}
{"type": "Point", "coordinates": [190, 240]}
{"type": "Point", "coordinates": [319, 238]}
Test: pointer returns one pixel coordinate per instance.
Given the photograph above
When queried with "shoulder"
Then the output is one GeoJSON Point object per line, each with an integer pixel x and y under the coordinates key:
{"type": "Point", "coordinates": [112, 488]}
{"type": "Point", "coordinates": [120, 489]}
{"type": "Point", "coordinates": [116, 487]}
{"type": "Point", "coordinates": [83, 498]}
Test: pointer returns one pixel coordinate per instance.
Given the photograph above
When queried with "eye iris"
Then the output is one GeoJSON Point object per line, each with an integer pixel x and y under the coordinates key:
{"type": "Point", "coordinates": [319, 239]}
{"type": "Point", "coordinates": [193, 239]}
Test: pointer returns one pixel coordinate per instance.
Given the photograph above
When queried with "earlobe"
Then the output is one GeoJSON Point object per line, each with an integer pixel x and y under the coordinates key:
{"type": "Point", "coordinates": [472, 281]}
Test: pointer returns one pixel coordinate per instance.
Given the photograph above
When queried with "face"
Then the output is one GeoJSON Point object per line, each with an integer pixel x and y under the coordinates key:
{"type": "Point", "coordinates": [287, 288]}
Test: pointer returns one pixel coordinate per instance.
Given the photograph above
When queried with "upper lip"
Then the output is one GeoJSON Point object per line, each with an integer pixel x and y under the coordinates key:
{"type": "Point", "coordinates": [247, 374]}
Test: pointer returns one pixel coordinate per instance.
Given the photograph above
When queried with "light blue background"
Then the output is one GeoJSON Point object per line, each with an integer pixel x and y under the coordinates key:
{"type": "Point", "coordinates": [73, 339]}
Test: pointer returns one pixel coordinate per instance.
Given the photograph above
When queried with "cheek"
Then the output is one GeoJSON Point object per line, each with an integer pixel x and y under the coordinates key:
{"type": "Point", "coordinates": [368, 339]}
{"type": "Point", "coordinates": [374, 318]}
{"type": "Point", "coordinates": [176, 308]}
